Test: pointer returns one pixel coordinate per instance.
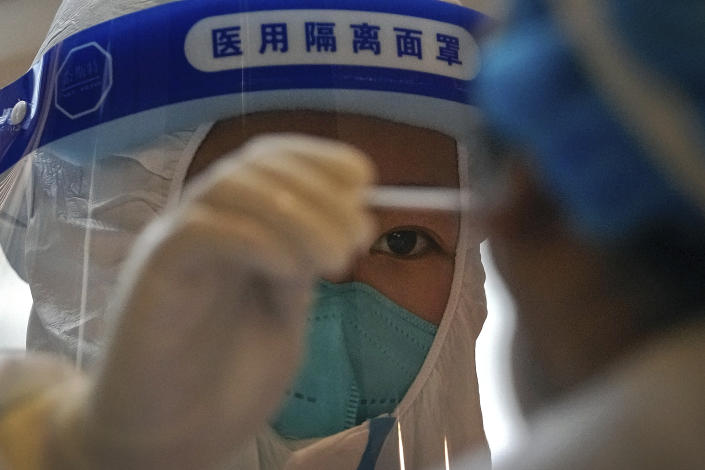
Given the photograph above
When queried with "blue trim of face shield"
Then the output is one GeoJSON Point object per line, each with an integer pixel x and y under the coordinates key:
{"type": "Point", "coordinates": [138, 62]}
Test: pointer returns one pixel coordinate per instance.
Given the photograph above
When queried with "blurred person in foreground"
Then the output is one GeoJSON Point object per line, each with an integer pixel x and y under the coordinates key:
{"type": "Point", "coordinates": [600, 233]}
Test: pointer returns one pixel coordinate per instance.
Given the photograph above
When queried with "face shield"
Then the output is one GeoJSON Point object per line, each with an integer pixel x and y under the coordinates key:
{"type": "Point", "coordinates": [113, 120]}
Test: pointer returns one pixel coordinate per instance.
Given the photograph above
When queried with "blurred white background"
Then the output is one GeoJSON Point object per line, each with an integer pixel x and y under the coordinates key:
{"type": "Point", "coordinates": [503, 422]}
{"type": "Point", "coordinates": [14, 307]}
{"type": "Point", "coordinates": [23, 25]}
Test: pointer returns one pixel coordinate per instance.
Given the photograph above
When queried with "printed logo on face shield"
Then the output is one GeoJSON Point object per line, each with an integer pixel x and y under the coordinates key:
{"type": "Point", "coordinates": [84, 80]}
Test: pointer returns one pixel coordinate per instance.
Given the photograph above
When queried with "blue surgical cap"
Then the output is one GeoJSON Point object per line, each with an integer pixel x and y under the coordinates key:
{"type": "Point", "coordinates": [537, 92]}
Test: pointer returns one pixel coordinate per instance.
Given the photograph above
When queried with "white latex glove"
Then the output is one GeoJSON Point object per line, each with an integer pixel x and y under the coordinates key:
{"type": "Point", "coordinates": [213, 306]}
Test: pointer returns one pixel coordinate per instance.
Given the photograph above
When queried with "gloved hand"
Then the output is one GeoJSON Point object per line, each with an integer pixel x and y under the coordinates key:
{"type": "Point", "coordinates": [212, 307]}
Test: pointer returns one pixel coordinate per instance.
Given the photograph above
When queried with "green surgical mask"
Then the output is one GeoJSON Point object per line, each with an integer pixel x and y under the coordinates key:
{"type": "Point", "coordinates": [364, 351]}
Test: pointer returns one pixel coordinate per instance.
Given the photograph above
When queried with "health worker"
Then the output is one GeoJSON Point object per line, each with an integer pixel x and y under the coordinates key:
{"type": "Point", "coordinates": [191, 331]}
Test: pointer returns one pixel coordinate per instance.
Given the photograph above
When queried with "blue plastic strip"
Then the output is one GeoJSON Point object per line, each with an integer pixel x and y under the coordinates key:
{"type": "Point", "coordinates": [137, 62]}
{"type": "Point", "coordinates": [379, 429]}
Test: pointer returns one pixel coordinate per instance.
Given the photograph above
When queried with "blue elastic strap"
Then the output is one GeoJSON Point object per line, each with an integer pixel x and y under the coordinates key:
{"type": "Point", "coordinates": [379, 429]}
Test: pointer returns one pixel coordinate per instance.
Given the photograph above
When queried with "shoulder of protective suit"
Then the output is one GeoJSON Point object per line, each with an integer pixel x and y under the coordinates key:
{"type": "Point", "coordinates": [645, 413]}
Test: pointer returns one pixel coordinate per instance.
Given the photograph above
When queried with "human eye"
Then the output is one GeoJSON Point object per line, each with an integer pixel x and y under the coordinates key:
{"type": "Point", "coordinates": [404, 243]}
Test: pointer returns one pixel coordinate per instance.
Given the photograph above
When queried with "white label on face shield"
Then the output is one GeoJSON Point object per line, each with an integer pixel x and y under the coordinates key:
{"type": "Point", "coordinates": [332, 37]}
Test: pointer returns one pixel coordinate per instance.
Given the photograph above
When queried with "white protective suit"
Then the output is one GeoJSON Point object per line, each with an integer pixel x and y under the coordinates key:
{"type": "Point", "coordinates": [439, 417]}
